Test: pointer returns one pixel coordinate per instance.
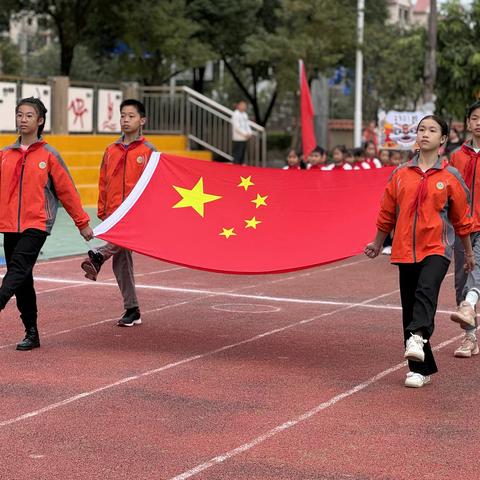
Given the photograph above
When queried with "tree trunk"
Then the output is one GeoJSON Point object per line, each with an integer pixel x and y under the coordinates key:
{"type": "Point", "coordinates": [199, 79]}
{"type": "Point", "coordinates": [66, 58]}
{"type": "Point", "coordinates": [270, 108]}
{"type": "Point", "coordinates": [256, 107]}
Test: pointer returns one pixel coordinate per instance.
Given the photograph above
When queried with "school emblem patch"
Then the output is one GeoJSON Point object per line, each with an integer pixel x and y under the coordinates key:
{"type": "Point", "coordinates": [42, 165]}
{"type": "Point", "coordinates": [440, 185]}
{"type": "Point", "coordinates": [140, 160]}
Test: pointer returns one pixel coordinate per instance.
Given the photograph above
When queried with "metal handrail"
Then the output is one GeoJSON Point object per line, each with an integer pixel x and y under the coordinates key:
{"type": "Point", "coordinates": [218, 106]}
{"type": "Point", "coordinates": [209, 124]}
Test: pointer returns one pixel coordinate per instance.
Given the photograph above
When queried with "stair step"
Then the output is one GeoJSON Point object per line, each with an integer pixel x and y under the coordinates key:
{"type": "Point", "coordinates": [65, 143]}
{"type": "Point", "coordinates": [83, 155]}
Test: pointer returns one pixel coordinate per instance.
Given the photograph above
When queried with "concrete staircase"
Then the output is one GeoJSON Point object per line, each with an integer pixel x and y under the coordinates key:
{"type": "Point", "coordinates": [83, 155]}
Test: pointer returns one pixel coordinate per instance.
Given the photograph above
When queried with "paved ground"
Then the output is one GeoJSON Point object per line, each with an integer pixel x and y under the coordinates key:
{"type": "Point", "coordinates": [283, 377]}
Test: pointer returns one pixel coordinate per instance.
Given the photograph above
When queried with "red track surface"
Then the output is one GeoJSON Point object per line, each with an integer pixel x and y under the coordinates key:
{"type": "Point", "coordinates": [231, 386]}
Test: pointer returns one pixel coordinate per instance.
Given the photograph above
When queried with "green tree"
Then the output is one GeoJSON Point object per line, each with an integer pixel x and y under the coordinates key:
{"type": "Point", "coordinates": [10, 59]}
{"type": "Point", "coordinates": [394, 60]}
{"type": "Point", "coordinates": [69, 18]}
{"type": "Point", "coordinates": [260, 42]}
{"type": "Point", "coordinates": [159, 35]}
{"type": "Point", "coordinates": [148, 38]}
{"type": "Point", "coordinates": [225, 26]}
{"type": "Point", "coordinates": [458, 76]}
{"type": "Point", "coordinates": [320, 32]}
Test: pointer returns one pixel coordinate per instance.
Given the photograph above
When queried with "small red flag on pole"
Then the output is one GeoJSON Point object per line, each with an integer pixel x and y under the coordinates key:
{"type": "Point", "coordinates": [306, 114]}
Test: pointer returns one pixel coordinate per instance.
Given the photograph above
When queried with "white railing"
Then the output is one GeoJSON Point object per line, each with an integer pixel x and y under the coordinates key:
{"type": "Point", "coordinates": [209, 124]}
{"type": "Point", "coordinates": [205, 122]}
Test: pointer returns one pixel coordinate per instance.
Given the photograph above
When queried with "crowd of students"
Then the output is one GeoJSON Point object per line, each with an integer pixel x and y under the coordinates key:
{"type": "Point", "coordinates": [342, 158]}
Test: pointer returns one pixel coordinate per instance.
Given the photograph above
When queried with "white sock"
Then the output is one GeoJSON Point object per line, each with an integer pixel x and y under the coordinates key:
{"type": "Point", "coordinates": [472, 298]}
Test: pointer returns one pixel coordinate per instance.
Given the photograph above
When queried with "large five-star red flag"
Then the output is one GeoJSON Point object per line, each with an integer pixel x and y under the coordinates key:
{"type": "Point", "coordinates": [236, 219]}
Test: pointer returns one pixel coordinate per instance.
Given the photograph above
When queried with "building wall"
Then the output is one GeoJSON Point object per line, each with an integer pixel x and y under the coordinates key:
{"type": "Point", "coordinates": [400, 12]}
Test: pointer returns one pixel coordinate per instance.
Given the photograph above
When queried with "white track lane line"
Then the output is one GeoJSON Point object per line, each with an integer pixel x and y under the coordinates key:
{"type": "Point", "coordinates": [299, 419]}
{"type": "Point", "coordinates": [100, 322]}
{"type": "Point", "coordinates": [201, 291]}
{"type": "Point", "coordinates": [80, 396]}
{"type": "Point", "coordinates": [107, 320]}
{"type": "Point", "coordinates": [227, 293]}
{"type": "Point", "coordinates": [283, 279]}
{"type": "Point", "coordinates": [155, 272]}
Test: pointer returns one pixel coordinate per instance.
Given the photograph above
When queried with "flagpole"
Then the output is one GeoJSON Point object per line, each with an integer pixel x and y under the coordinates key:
{"type": "Point", "coordinates": [357, 135]}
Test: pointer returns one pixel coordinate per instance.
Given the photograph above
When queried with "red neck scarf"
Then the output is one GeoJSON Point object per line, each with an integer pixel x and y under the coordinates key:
{"type": "Point", "coordinates": [17, 172]}
{"type": "Point", "coordinates": [422, 188]}
{"type": "Point", "coordinates": [21, 162]}
{"type": "Point", "coordinates": [470, 167]}
{"type": "Point", "coordinates": [122, 159]}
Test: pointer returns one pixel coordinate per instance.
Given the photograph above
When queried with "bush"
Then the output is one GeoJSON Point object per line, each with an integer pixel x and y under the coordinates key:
{"type": "Point", "coordinates": [278, 141]}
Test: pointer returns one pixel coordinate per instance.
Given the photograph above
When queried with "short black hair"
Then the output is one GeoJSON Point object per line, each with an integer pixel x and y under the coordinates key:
{"type": "Point", "coordinates": [441, 122]}
{"type": "Point", "coordinates": [358, 152]}
{"type": "Point", "coordinates": [472, 107]}
{"type": "Point", "coordinates": [133, 102]}
{"type": "Point", "coordinates": [319, 150]}
{"type": "Point", "coordinates": [342, 148]}
{"type": "Point", "coordinates": [39, 107]}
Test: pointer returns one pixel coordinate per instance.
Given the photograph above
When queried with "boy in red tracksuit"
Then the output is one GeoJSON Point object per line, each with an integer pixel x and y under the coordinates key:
{"type": "Point", "coordinates": [122, 165]}
{"type": "Point", "coordinates": [33, 178]}
{"type": "Point", "coordinates": [426, 201]}
{"type": "Point", "coordinates": [467, 287]}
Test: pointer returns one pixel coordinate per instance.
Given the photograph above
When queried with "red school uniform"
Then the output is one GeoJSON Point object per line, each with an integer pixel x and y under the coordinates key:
{"type": "Point", "coordinates": [425, 209]}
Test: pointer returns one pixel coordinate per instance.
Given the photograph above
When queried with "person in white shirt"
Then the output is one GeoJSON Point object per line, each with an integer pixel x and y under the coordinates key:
{"type": "Point", "coordinates": [241, 132]}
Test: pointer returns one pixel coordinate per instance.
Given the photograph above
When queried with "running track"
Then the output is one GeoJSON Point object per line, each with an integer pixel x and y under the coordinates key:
{"type": "Point", "coordinates": [295, 376]}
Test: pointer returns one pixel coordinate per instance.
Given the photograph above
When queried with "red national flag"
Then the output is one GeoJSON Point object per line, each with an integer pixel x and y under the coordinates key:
{"type": "Point", "coordinates": [236, 219]}
{"type": "Point", "coordinates": [309, 141]}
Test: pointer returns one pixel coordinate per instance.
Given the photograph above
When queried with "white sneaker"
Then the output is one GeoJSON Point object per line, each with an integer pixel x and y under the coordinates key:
{"type": "Point", "coordinates": [468, 347]}
{"type": "Point", "coordinates": [387, 250]}
{"type": "Point", "coordinates": [414, 350]}
{"type": "Point", "coordinates": [465, 315]}
{"type": "Point", "coordinates": [416, 380]}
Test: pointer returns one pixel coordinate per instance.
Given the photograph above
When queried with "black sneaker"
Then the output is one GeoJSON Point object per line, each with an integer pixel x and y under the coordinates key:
{"type": "Point", "coordinates": [92, 265]}
{"type": "Point", "coordinates": [130, 318]}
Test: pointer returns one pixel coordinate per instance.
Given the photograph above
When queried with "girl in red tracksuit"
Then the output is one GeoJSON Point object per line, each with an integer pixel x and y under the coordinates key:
{"type": "Point", "coordinates": [426, 201]}
{"type": "Point", "coordinates": [33, 178]}
{"type": "Point", "coordinates": [294, 161]}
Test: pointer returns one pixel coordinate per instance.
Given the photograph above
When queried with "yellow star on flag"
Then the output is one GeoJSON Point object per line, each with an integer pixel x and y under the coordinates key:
{"type": "Point", "coordinates": [227, 232]}
{"type": "Point", "coordinates": [195, 198]}
{"type": "Point", "coordinates": [245, 182]}
{"type": "Point", "coordinates": [252, 223]}
{"type": "Point", "coordinates": [259, 201]}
